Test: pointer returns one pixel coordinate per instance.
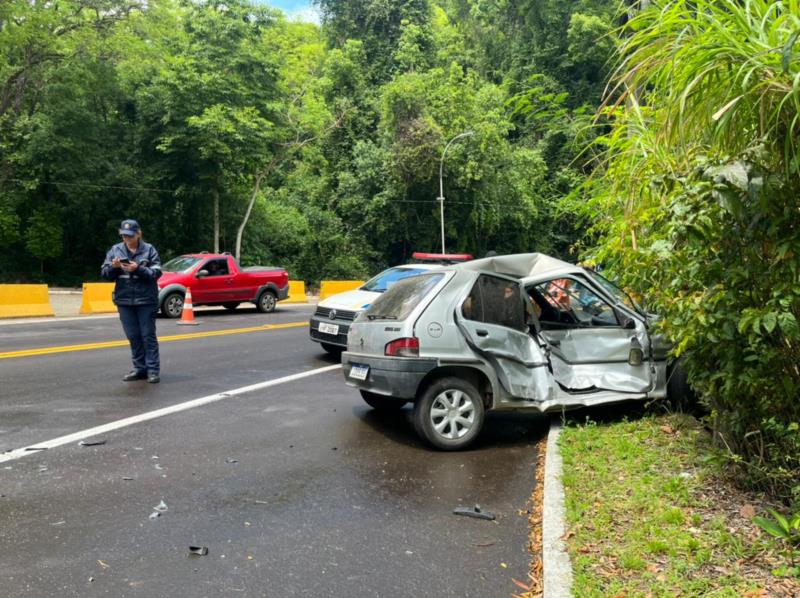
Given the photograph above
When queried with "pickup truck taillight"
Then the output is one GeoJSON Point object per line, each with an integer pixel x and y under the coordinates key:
{"type": "Point", "coordinates": [403, 347]}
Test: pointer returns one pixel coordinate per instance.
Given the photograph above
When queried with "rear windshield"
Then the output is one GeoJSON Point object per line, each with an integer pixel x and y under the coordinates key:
{"type": "Point", "coordinates": [386, 279]}
{"type": "Point", "coordinates": [180, 264]}
{"type": "Point", "coordinates": [402, 298]}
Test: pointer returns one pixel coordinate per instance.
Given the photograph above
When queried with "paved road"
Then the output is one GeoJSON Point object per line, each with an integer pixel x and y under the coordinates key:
{"type": "Point", "coordinates": [297, 489]}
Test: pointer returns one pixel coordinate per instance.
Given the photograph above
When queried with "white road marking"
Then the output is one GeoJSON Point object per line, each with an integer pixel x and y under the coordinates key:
{"type": "Point", "coordinates": [143, 417]}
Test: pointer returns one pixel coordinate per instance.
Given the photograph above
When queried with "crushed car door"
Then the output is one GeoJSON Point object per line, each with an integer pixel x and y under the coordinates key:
{"type": "Point", "coordinates": [494, 321]}
{"type": "Point", "coordinates": [592, 346]}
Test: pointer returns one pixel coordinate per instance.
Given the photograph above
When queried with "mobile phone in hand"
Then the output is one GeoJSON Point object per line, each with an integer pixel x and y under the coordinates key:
{"type": "Point", "coordinates": [125, 261]}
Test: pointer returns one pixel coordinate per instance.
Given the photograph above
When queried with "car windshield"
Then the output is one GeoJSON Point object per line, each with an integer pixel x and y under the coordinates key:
{"type": "Point", "coordinates": [404, 296]}
{"type": "Point", "coordinates": [180, 264]}
{"type": "Point", "coordinates": [386, 279]}
{"type": "Point", "coordinates": [615, 291]}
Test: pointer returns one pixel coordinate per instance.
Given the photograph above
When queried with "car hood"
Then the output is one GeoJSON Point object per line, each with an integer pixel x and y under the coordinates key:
{"type": "Point", "coordinates": [350, 300]}
{"type": "Point", "coordinates": [167, 278]}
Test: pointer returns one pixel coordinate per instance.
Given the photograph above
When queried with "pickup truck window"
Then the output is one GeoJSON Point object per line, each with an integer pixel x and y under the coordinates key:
{"type": "Point", "coordinates": [180, 264]}
{"type": "Point", "coordinates": [217, 267]}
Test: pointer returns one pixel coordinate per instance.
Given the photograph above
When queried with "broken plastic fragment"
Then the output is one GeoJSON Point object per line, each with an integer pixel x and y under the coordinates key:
{"type": "Point", "coordinates": [231, 460]}
{"type": "Point", "coordinates": [474, 512]}
{"type": "Point", "coordinates": [162, 506]}
{"type": "Point", "coordinates": [91, 442]}
{"type": "Point", "coordinates": [198, 550]}
{"type": "Point", "coordinates": [155, 515]}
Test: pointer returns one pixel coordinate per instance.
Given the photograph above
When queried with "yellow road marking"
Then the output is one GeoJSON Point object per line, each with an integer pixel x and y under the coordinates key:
{"type": "Point", "coordinates": [161, 339]}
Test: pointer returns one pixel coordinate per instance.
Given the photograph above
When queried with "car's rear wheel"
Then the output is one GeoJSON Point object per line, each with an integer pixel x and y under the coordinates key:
{"type": "Point", "coordinates": [449, 414]}
{"type": "Point", "coordinates": [230, 306]}
{"type": "Point", "coordinates": [381, 402]}
{"type": "Point", "coordinates": [334, 350]}
{"type": "Point", "coordinates": [266, 302]}
{"type": "Point", "coordinates": [172, 306]}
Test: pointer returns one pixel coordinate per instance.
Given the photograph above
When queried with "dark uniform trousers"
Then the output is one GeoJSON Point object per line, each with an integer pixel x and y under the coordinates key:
{"type": "Point", "coordinates": [139, 324]}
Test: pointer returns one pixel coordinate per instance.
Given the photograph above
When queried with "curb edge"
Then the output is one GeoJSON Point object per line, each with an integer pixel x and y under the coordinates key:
{"type": "Point", "coordinates": [556, 566]}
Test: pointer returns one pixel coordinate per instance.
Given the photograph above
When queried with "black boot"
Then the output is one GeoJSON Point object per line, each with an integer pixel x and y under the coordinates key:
{"type": "Point", "coordinates": [134, 375]}
{"type": "Point", "coordinates": [153, 378]}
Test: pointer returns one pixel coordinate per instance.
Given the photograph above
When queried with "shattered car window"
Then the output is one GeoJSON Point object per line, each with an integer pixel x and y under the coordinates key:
{"type": "Point", "coordinates": [399, 301]}
{"type": "Point", "coordinates": [567, 303]}
{"type": "Point", "coordinates": [495, 301]}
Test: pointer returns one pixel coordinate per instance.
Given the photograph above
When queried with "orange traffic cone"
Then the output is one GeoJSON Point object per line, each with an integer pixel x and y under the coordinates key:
{"type": "Point", "coordinates": [187, 316]}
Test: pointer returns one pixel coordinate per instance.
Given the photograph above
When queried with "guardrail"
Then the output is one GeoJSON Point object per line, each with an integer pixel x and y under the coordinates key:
{"type": "Point", "coordinates": [333, 287]}
{"type": "Point", "coordinates": [97, 298]}
{"type": "Point", "coordinates": [24, 300]}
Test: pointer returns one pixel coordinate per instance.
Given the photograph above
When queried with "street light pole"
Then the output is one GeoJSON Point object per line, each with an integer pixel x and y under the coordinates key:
{"type": "Point", "coordinates": [441, 183]}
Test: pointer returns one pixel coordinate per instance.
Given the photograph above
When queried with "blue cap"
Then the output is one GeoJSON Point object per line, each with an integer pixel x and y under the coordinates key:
{"type": "Point", "coordinates": [129, 228]}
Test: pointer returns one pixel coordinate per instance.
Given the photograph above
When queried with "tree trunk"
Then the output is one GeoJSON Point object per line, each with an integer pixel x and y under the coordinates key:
{"type": "Point", "coordinates": [216, 220]}
{"type": "Point", "coordinates": [240, 232]}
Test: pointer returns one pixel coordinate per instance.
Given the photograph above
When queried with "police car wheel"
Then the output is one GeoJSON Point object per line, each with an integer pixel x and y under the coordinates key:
{"type": "Point", "coordinates": [266, 302]}
{"type": "Point", "coordinates": [172, 306]}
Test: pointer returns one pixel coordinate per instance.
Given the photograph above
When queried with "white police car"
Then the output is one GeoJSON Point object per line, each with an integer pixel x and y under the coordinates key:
{"type": "Point", "coordinates": [331, 320]}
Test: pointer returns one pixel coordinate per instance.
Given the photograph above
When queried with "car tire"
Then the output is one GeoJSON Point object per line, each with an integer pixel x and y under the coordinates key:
{"type": "Point", "coordinates": [230, 306]}
{"type": "Point", "coordinates": [449, 414]}
{"type": "Point", "coordinates": [266, 302]}
{"type": "Point", "coordinates": [679, 393]}
{"type": "Point", "coordinates": [381, 402]}
{"type": "Point", "coordinates": [172, 305]}
{"type": "Point", "coordinates": [334, 350]}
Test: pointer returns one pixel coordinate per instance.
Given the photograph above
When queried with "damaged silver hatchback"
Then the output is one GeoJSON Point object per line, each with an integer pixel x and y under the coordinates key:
{"type": "Point", "coordinates": [509, 332]}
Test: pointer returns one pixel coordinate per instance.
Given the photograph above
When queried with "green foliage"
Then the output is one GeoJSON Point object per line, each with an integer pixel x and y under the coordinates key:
{"type": "Point", "coordinates": [785, 530]}
{"type": "Point", "coordinates": [168, 110]}
{"type": "Point", "coordinates": [43, 237]}
{"type": "Point", "coordinates": [698, 208]}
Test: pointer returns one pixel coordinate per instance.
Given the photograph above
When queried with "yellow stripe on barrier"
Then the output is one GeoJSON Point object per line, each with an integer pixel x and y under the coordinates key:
{"type": "Point", "coordinates": [161, 339]}
{"type": "Point", "coordinates": [24, 300]}
{"type": "Point", "coordinates": [297, 292]}
{"type": "Point", "coordinates": [97, 298]}
{"type": "Point", "coordinates": [328, 288]}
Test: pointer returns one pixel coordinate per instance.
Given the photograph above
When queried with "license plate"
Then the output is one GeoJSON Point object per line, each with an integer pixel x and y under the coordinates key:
{"type": "Point", "coordinates": [359, 372]}
{"type": "Point", "coordinates": [325, 328]}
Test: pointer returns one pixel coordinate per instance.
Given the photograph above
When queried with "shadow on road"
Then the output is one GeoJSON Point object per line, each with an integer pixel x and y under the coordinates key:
{"type": "Point", "coordinates": [506, 430]}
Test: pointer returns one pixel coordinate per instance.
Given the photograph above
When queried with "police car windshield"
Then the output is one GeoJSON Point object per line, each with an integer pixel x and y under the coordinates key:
{"type": "Point", "coordinates": [386, 279]}
{"type": "Point", "coordinates": [180, 264]}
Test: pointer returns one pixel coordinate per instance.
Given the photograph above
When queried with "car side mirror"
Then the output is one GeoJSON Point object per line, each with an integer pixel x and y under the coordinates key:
{"type": "Point", "coordinates": [627, 322]}
{"type": "Point", "coordinates": [201, 274]}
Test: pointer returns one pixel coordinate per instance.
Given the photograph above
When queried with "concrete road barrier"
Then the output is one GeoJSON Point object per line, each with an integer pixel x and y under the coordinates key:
{"type": "Point", "coordinates": [297, 292]}
{"type": "Point", "coordinates": [24, 300]}
{"type": "Point", "coordinates": [329, 288]}
{"type": "Point", "coordinates": [97, 298]}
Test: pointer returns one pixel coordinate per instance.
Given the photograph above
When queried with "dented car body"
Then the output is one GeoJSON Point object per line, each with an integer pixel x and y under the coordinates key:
{"type": "Point", "coordinates": [515, 332]}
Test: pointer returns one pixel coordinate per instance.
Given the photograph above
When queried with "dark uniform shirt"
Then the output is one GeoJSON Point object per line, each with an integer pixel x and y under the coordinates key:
{"type": "Point", "coordinates": [138, 287]}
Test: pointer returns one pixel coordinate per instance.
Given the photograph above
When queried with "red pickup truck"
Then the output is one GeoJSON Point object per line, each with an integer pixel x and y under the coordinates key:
{"type": "Point", "coordinates": [217, 279]}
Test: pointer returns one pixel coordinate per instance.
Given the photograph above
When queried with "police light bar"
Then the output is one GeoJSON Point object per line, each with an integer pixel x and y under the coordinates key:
{"type": "Point", "coordinates": [450, 258]}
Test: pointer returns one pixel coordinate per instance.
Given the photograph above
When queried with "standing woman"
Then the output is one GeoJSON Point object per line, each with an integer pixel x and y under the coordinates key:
{"type": "Point", "coordinates": [135, 267]}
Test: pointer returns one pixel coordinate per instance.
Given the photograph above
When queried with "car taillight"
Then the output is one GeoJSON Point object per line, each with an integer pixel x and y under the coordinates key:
{"type": "Point", "coordinates": [403, 347]}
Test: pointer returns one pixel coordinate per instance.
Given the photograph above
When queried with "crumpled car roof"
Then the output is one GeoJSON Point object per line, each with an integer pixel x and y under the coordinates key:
{"type": "Point", "coordinates": [521, 265]}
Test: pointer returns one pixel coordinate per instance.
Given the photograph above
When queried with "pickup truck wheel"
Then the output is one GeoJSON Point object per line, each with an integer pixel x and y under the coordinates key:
{"type": "Point", "coordinates": [449, 414]}
{"type": "Point", "coordinates": [266, 302]}
{"type": "Point", "coordinates": [380, 402]}
{"type": "Point", "coordinates": [172, 306]}
{"type": "Point", "coordinates": [230, 306]}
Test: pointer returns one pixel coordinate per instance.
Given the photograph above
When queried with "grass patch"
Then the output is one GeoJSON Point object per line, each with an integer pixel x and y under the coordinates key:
{"type": "Point", "coordinates": [649, 516]}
